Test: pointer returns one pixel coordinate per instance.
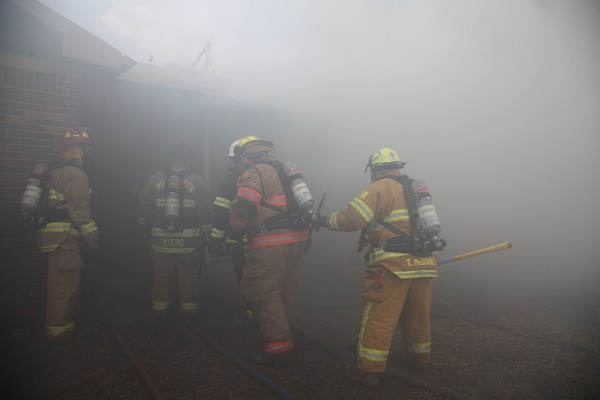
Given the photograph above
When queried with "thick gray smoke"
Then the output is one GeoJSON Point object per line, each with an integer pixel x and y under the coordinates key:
{"type": "Point", "coordinates": [496, 105]}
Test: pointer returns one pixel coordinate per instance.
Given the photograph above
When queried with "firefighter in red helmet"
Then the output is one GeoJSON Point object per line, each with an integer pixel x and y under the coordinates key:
{"type": "Point", "coordinates": [70, 230]}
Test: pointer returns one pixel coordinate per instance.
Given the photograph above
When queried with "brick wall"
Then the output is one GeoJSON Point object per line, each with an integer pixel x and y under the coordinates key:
{"type": "Point", "coordinates": [35, 108]}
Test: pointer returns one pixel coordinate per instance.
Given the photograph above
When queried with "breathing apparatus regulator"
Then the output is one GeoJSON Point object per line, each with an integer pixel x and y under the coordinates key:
{"type": "Point", "coordinates": [173, 204]}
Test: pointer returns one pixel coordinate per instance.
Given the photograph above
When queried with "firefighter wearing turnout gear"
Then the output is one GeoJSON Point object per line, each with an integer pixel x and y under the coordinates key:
{"type": "Point", "coordinates": [175, 203]}
{"type": "Point", "coordinates": [222, 208]}
{"type": "Point", "coordinates": [70, 229]}
{"type": "Point", "coordinates": [275, 251]}
{"type": "Point", "coordinates": [397, 286]}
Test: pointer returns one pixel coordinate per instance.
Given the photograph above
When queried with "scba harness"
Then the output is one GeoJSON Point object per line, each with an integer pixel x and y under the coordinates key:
{"type": "Point", "coordinates": [300, 203]}
{"type": "Point", "coordinates": [424, 225]}
{"type": "Point", "coordinates": [35, 210]}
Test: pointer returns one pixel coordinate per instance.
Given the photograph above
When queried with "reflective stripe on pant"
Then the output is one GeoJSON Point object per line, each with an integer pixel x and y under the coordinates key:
{"type": "Point", "coordinates": [62, 297]}
{"type": "Point", "coordinates": [386, 298]}
{"type": "Point", "coordinates": [269, 282]}
{"type": "Point", "coordinates": [187, 268]}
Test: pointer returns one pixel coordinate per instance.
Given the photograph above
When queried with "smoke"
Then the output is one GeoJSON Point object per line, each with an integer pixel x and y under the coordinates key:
{"type": "Point", "coordinates": [494, 104]}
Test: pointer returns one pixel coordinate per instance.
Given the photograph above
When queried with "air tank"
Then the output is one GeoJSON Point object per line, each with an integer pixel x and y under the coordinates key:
{"type": "Point", "coordinates": [33, 191]}
{"type": "Point", "coordinates": [298, 187]}
{"type": "Point", "coordinates": [172, 204]}
{"type": "Point", "coordinates": [428, 218]}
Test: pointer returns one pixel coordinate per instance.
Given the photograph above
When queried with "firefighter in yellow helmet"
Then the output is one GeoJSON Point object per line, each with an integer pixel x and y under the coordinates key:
{"type": "Point", "coordinates": [175, 203]}
{"type": "Point", "coordinates": [275, 249]}
{"type": "Point", "coordinates": [395, 283]}
{"type": "Point", "coordinates": [70, 230]}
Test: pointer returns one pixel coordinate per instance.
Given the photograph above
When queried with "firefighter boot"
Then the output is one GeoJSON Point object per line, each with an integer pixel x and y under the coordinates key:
{"type": "Point", "coordinates": [262, 357]}
{"type": "Point", "coordinates": [369, 379]}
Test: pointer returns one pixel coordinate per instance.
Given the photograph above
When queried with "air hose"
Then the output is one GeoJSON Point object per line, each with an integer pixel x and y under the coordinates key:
{"type": "Point", "coordinates": [280, 392]}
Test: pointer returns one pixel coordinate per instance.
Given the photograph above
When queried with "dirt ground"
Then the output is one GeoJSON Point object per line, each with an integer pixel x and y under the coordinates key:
{"type": "Point", "coordinates": [539, 349]}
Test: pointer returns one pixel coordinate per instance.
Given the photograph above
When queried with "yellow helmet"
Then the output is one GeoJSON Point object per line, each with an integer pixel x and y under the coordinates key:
{"type": "Point", "coordinates": [384, 159]}
{"type": "Point", "coordinates": [232, 148]}
{"type": "Point", "coordinates": [248, 142]}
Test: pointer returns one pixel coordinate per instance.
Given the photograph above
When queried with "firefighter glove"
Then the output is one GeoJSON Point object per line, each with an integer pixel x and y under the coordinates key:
{"type": "Point", "coordinates": [319, 222]}
{"type": "Point", "coordinates": [216, 247]}
{"type": "Point", "coordinates": [92, 244]}
{"type": "Point", "coordinates": [236, 235]}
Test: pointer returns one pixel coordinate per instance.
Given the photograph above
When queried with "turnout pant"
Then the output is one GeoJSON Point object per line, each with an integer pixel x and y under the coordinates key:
{"type": "Point", "coordinates": [64, 267]}
{"type": "Point", "coordinates": [269, 282]}
{"type": "Point", "coordinates": [186, 267]}
{"type": "Point", "coordinates": [387, 299]}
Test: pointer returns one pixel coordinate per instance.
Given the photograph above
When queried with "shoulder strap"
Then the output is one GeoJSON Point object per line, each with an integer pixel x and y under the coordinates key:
{"type": "Point", "coordinates": [405, 182]}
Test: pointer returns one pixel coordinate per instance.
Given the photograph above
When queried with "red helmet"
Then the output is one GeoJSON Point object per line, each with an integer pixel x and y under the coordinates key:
{"type": "Point", "coordinates": [76, 136]}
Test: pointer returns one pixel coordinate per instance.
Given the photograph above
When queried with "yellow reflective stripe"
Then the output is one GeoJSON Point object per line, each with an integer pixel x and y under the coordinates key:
{"type": "Point", "coordinates": [378, 255]}
{"type": "Point", "coordinates": [160, 185]}
{"type": "Point", "coordinates": [172, 250]}
{"type": "Point", "coordinates": [57, 227]}
{"type": "Point", "coordinates": [88, 228]}
{"type": "Point", "coordinates": [223, 202]}
{"type": "Point", "coordinates": [189, 186]}
{"type": "Point", "coordinates": [49, 248]}
{"type": "Point", "coordinates": [54, 195]}
{"type": "Point", "coordinates": [398, 215]}
{"type": "Point", "coordinates": [141, 220]}
{"type": "Point", "coordinates": [160, 202]}
{"type": "Point", "coordinates": [189, 306]}
{"type": "Point", "coordinates": [59, 330]}
{"type": "Point", "coordinates": [366, 353]}
{"type": "Point", "coordinates": [186, 233]}
{"type": "Point", "coordinates": [160, 305]}
{"type": "Point", "coordinates": [419, 348]}
{"type": "Point", "coordinates": [363, 209]}
{"type": "Point", "coordinates": [421, 273]}
{"type": "Point", "coordinates": [189, 203]}
{"type": "Point", "coordinates": [373, 355]}
{"type": "Point", "coordinates": [217, 233]}
{"type": "Point", "coordinates": [332, 222]}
